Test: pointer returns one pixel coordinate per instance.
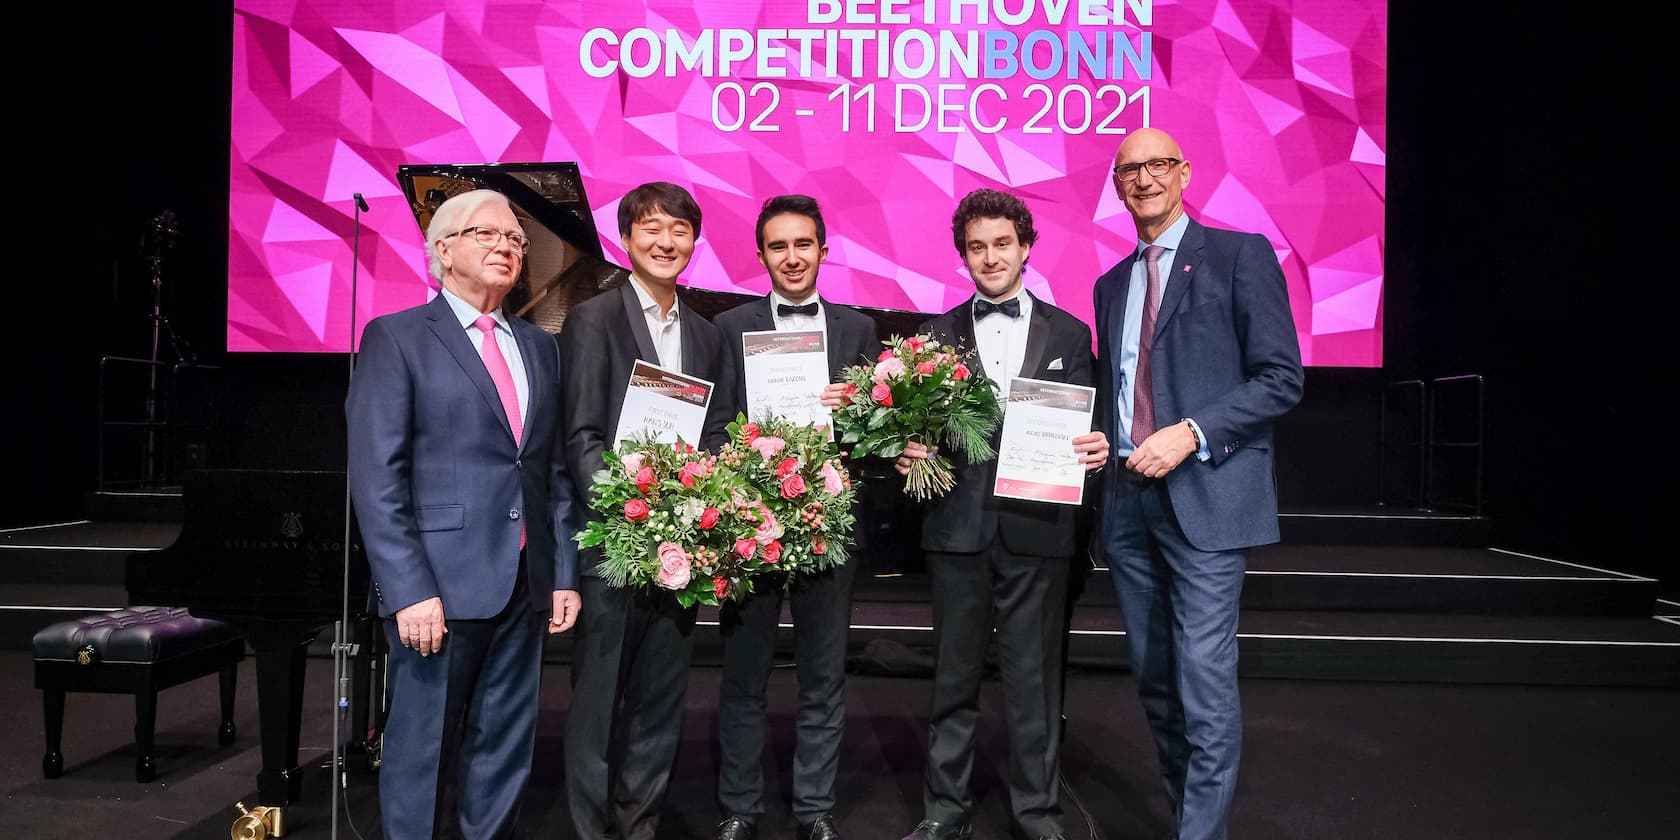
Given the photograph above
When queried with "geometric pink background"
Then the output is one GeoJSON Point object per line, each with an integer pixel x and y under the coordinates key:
{"type": "Point", "coordinates": [1280, 106]}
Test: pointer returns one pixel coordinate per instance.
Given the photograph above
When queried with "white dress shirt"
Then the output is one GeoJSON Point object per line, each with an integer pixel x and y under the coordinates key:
{"type": "Point", "coordinates": [666, 331]}
{"type": "Point", "coordinates": [798, 323]}
{"type": "Point", "coordinates": [1002, 341]}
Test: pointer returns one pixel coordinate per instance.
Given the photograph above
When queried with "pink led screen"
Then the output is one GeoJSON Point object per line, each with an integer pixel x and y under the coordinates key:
{"type": "Point", "coordinates": [886, 111]}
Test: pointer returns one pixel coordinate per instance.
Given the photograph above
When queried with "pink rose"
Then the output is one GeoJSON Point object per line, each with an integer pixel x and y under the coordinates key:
{"type": "Point", "coordinates": [915, 343]}
{"type": "Point", "coordinates": [749, 433]}
{"type": "Point", "coordinates": [768, 528]}
{"type": "Point", "coordinates": [881, 393]}
{"type": "Point", "coordinates": [633, 462]}
{"type": "Point", "coordinates": [745, 548]}
{"type": "Point", "coordinates": [720, 587]}
{"type": "Point", "coordinates": [644, 479]}
{"type": "Point", "coordinates": [793, 486]}
{"type": "Point", "coordinates": [709, 518]}
{"type": "Point", "coordinates": [885, 355]}
{"type": "Point", "coordinates": [887, 369]}
{"type": "Point", "coordinates": [831, 479]}
{"type": "Point", "coordinates": [635, 510]}
{"type": "Point", "coordinates": [674, 568]}
{"type": "Point", "coordinates": [772, 552]}
{"type": "Point", "coordinates": [819, 546]}
{"type": "Point", "coordinates": [960, 372]}
{"type": "Point", "coordinates": [926, 368]}
{"type": "Point", "coordinates": [786, 467]}
{"type": "Point", "coordinates": [691, 473]}
{"type": "Point", "coordinates": [769, 446]}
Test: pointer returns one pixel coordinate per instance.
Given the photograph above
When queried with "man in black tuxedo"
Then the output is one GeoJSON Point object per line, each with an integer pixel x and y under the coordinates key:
{"type": "Point", "coordinates": [995, 560]}
{"type": "Point", "coordinates": [792, 244]}
{"type": "Point", "coordinates": [631, 653]}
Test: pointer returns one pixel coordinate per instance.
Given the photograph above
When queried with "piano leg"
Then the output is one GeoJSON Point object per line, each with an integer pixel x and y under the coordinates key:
{"type": "Point", "coordinates": [280, 648]}
{"type": "Point", "coordinates": [229, 678]}
{"type": "Point", "coordinates": [145, 732]}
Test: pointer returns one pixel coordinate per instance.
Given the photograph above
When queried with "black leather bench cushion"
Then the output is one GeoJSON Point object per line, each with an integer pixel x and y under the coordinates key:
{"type": "Point", "coordinates": [136, 634]}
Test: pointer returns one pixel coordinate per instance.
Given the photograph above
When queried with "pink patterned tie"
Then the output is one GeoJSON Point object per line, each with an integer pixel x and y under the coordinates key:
{"type": "Point", "coordinates": [1143, 394]}
{"type": "Point", "coordinates": [497, 364]}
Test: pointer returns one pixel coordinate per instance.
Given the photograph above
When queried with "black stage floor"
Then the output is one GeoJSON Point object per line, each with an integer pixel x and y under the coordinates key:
{"type": "Point", "coordinates": [1323, 760]}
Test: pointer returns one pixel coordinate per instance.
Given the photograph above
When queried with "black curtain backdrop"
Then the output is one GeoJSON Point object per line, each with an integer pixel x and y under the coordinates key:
{"type": "Point", "coordinates": [1518, 144]}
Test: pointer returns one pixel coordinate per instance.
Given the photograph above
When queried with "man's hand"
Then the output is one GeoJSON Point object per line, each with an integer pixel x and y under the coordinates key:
{"type": "Point", "coordinates": [420, 626]}
{"type": "Point", "coordinates": [1092, 449]}
{"type": "Point", "coordinates": [1163, 451]}
{"type": "Point", "coordinates": [834, 395]}
{"type": "Point", "coordinates": [567, 603]}
{"type": "Point", "coordinates": [911, 451]}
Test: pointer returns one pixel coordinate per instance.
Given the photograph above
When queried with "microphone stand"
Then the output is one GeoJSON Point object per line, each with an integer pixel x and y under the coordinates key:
{"type": "Point", "coordinates": [342, 647]}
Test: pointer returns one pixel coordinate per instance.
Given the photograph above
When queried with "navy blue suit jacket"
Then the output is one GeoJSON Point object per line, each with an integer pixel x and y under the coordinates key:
{"type": "Point", "coordinates": [1225, 355]}
{"type": "Point", "coordinates": [440, 487]}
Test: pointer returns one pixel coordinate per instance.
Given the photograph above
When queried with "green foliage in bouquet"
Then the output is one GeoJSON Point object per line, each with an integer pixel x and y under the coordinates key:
{"type": "Point", "coordinates": [796, 471]}
{"type": "Point", "coordinates": [923, 392]}
{"type": "Point", "coordinates": [672, 519]}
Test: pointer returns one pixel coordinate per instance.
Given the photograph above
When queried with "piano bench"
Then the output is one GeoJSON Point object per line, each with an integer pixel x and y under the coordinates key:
{"type": "Point", "coordinates": [138, 651]}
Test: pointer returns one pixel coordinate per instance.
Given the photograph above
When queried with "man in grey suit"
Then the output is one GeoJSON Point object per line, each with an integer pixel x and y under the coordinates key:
{"type": "Point", "coordinates": [631, 655]}
{"type": "Point", "coordinates": [465, 507]}
{"type": "Point", "coordinates": [1197, 358]}
{"type": "Point", "coordinates": [996, 561]}
{"type": "Point", "coordinates": [792, 244]}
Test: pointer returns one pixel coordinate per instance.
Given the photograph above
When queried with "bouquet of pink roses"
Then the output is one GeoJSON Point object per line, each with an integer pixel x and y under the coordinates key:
{"type": "Point", "coordinates": [919, 391]}
{"type": "Point", "coordinates": [796, 470]}
{"type": "Point", "coordinates": [672, 518]}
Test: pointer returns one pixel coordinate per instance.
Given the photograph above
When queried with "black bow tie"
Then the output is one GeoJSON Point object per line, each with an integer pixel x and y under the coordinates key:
{"type": "Point", "coordinates": [809, 310]}
{"type": "Point", "coordinates": [1011, 307]}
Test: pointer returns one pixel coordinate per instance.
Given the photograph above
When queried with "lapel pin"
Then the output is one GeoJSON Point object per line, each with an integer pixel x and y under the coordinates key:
{"type": "Point", "coordinates": [1187, 269]}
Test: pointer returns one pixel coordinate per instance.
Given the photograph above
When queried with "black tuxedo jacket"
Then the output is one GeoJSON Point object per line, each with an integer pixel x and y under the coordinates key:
{"type": "Point", "coordinates": [851, 339]}
{"type": "Point", "coordinates": [967, 518]}
{"type": "Point", "coordinates": [600, 342]}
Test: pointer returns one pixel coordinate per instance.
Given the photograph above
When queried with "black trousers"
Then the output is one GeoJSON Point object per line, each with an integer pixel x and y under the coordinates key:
{"type": "Point", "coordinates": [630, 661]}
{"type": "Point", "coordinates": [821, 610]}
{"type": "Point", "coordinates": [1025, 598]}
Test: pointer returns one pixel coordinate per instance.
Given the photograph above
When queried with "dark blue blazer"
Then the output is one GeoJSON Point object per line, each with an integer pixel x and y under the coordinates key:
{"type": "Point", "coordinates": [1226, 355]}
{"type": "Point", "coordinates": [440, 487]}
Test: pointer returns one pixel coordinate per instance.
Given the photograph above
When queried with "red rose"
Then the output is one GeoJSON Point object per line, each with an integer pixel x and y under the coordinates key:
{"type": "Point", "coordinates": [960, 372]}
{"type": "Point", "coordinates": [819, 547]}
{"type": "Point", "coordinates": [885, 355]}
{"type": "Point", "coordinates": [916, 343]}
{"type": "Point", "coordinates": [787, 466]}
{"type": "Point", "coordinates": [709, 518]}
{"type": "Point", "coordinates": [691, 473]}
{"type": "Point", "coordinates": [644, 479]}
{"type": "Point", "coordinates": [925, 368]}
{"type": "Point", "coordinates": [720, 586]}
{"type": "Point", "coordinates": [773, 552]}
{"type": "Point", "coordinates": [635, 510]}
{"type": "Point", "coordinates": [850, 392]}
{"type": "Point", "coordinates": [746, 547]}
{"type": "Point", "coordinates": [793, 486]}
{"type": "Point", "coordinates": [881, 393]}
{"type": "Point", "coordinates": [749, 433]}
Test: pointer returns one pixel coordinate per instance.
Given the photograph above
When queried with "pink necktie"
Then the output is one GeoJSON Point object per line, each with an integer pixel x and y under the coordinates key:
{"type": "Point", "coordinates": [500, 374]}
{"type": "Point", "coordinates": [497, 364]}
{"type": "Point", "coordinates": [1143, 394]}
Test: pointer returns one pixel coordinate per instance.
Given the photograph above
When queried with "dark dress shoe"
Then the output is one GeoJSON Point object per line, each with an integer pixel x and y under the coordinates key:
{"type": "Point", "coordinates": [822, 829]}
{"type": "Point", "coordinates": [736, 828]}
{"type": "Point", "coordinates": [935, 830]}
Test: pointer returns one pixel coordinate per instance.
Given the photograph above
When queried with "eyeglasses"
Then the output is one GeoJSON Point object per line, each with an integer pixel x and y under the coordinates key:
{"type": "Point", "coordinates": [488, 237]}
{"type": "Point", "coordinates": [1128, 172]}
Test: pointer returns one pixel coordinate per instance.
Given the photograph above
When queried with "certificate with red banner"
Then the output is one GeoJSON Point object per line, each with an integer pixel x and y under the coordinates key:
{"type": "Point", "coordinates": [1036, 460]}
{"type": "Point", "coordinates": [785, 373]}
{"type": "Point", "coordinates": [663, 406]}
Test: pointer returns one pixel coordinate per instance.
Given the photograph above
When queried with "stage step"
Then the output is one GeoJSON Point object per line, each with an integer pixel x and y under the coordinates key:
{"type": "Point", "coordinates": [80, 552]}
{"type": "Point", "coordinates": [1380, 525]}
{"type": "Point", "coordinates": [1361, 646]}
{"type": "Point", "coordinates": [28, 607]}
{"type": "Point", "coordinates": [156, 505]}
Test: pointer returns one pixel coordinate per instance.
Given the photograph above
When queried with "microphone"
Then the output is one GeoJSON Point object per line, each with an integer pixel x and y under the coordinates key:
{"type": "Point", "coordinates": [361, 204]}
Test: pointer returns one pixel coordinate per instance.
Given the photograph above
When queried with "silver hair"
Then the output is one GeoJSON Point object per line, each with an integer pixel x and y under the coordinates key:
{"type": "Point", "coordinates": [449, 217]}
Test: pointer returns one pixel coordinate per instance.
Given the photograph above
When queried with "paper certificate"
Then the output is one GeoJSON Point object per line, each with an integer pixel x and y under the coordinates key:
{"type": "Point", "coordinates": [662, 405]}
{"type": "Point", "coordinates": [1036, 459]}
{"type": "Point", "coordinates": [785, 373]}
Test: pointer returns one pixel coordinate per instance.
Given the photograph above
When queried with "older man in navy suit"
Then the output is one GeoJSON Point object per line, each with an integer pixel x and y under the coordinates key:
{"type": "Point", "coordinates": [1198, 356]}
{"type": "Point", "coordinates": [465, 507]}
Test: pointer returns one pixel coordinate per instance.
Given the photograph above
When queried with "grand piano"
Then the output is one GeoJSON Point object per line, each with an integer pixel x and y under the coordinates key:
{"type": "Point", "coordinates": [265, 551]}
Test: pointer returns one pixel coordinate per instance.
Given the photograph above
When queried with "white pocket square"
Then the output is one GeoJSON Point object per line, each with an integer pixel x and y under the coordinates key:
{"type": "Point", "coordinates": [1055, 364]}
